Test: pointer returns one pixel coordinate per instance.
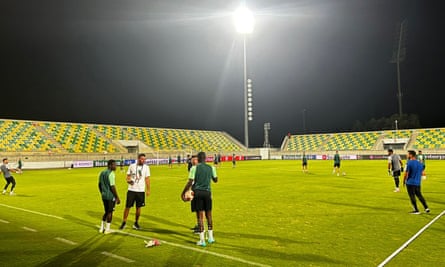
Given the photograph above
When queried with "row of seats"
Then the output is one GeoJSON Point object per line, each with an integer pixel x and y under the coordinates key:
{"type": "Point", "coordinates": [430, 138]}
{"type": "Point", "coordinates": [306, 142]}
{"type": "Point", "coordinates": [178, 139]}
{"type": "Point", "coordinates": [156, 138]}
{"type": "Point", "coordinates": [397, 134]}
{"type": "Point", "coordinates": [426, 139]}
{"type": "Point", "coordinates": [77, 138]}
{"type": "Point", "coordinates": [20, 136]}
{"type": "Point", "coordinates": [352, 141]}
{"type": "Point", "coordinates": [84, 138]}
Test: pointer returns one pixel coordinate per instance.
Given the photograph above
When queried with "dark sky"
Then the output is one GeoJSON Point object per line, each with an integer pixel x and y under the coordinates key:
{"type": "Point", "coordinates": [178, 63]}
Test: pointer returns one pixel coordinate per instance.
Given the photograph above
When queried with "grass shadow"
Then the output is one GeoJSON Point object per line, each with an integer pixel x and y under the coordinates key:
{"type": "Point", "coordinates": [86, 254]}
{"type": "Point", "coordinates": [357, 205]}
{"type": "Point", "coordinates": [292, 257]}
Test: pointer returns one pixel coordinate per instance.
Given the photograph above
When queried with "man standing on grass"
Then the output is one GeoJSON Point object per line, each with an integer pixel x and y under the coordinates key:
{"type": "Point", "coordinates": [138, 179]}
{"type": "Point", "coordinates": [200, 177]}
{"type": "Point", "coordinates": [8, 177]}
{"type": "Point", "coordinates": [336, 163]}
{"type": "Point", "coordinates": [233, 161]}
{"type": "Point", "coordinates": [19, 166]}
{"type": "Point", "coordinates": [395, 167]}
{"type": "Point", "coordinates": [412, 180]}
{"type": "Point", "coordinates": [107, 188]}
{"type": "Point", "coordinates": [304, 162]}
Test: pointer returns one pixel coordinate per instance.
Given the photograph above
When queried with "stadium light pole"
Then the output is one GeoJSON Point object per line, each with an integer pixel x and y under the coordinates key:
{"type": "Point", "coordinates": [244, 24]}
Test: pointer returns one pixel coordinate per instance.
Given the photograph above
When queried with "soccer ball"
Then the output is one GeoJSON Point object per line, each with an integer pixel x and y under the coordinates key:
{"type": "Point", "coordinates": [344, 173]}
{"type": "Point", "coordinates": [188, 196]}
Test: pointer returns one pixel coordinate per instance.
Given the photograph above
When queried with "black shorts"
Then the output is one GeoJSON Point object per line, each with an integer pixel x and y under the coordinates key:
{"type": "Point", "coordinates": [304, 163]}
{"type": "Point", "coordinates": [203, 200]}
{"type": "Point", "coordinates": [135, 197]}
{"type": "Point", "coordinates": [337, 165]}
{"type": "Point", "coordinates": [109, 205]}
{"type": "Point", "coordinates": [396, 173]}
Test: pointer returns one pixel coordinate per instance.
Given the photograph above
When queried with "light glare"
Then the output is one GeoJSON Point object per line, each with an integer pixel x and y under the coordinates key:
{"type": "Point", "coordinates": [243, 19]}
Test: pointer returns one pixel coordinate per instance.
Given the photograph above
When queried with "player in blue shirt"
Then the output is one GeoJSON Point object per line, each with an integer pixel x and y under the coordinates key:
{"type": "Point", "coordinates": [412, 180]}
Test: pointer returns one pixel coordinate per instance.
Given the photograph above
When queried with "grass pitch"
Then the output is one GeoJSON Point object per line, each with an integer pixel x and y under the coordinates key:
{"type": "Point", "coordinates": [266, 213]}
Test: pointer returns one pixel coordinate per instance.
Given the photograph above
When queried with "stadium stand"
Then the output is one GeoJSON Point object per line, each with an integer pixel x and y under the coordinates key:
{"type": "Point", "coordinates": [205, 140]}
{"type": "Point", "coordinates": [155, 138]}
{"type": "Point", "coordinates": [77, 138]}
{"type": "Point", "coordinates": [430, 139]}
{"type": "Point", "coordinates": [309, 142]}
{"type": "Point", "coordinates": [57, 137]}
{"type": "Point", "coordinates": [180, 139]}
{"type": "Point", "coordinates": [398, 134]}
{"type": "Point", "coordinates": [352, 141]}
{"type": "Point", "coordinates": [113, 132]}
{"type": "Point", "coordinates": [20, 136]}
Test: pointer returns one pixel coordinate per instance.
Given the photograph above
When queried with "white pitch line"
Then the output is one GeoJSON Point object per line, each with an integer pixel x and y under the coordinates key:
{"type": "Point", "coordinates": [66, 241]}
{"type": "Point", "coordinates": [3, 221]}
{"type": "Point", "coordinates": [29, 229]}
{"type": "Point", "coordinates": [198, 250]}
{"type": "Point", "coordinates": [117, 257]}
{"type": "Point", "coordinates": [34, 212]}
{"type": "Point", "coordinates": [145, 237]}
{"type": "Point", "coordinates": [410, 240]}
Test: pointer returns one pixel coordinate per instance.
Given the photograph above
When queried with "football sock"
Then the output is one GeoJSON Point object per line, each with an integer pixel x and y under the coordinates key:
{"type": "Point", "coordinates": [397, 182]}
{"type": "Point", "coordinates": [201, 236]}
{"type": "Point", "coordinates": [210, 234]}
{"type": "Point", "coordinates": [108, 226]}
{"type": "Point", "coordinates": [102, 225]}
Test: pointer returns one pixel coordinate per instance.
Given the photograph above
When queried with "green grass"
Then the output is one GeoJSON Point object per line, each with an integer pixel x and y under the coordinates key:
{"type": "Point", "coordinates": [265, 212]}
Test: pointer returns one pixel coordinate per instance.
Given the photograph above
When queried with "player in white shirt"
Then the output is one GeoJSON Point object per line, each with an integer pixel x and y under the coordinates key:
{"type": "Point", "coordinates": [138, 179]}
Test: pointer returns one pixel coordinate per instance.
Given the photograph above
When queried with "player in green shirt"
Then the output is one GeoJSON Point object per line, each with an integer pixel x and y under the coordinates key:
{"type": "Point", "coordinates": [200, 177]}
{"type": "Point", "coordinates": [336, 163]}
{"type": "Point", "coordinates": [109, 195]}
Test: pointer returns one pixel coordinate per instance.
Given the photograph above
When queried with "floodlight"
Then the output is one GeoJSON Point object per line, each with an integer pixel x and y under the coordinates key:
{"type": "Point", "coordinates": [243, 19]}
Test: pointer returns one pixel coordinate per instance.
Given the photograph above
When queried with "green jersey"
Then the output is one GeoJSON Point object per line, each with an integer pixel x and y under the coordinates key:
{"type": "Point", "coordinates": [421, 159]}
{"type": "Point", "coordinates": [202, 175]}
{"type": "Point", "coordinates": [304, 159]}
{"type": "Point", "coordinates": [337, 158]}
{"type": "Point", "coordinates": [106, 181]}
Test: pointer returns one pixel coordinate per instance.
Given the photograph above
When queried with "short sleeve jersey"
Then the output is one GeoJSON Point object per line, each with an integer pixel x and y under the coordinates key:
{"type": "Point", "coordinates": [202, 175]}
{"type": "Point", "coordinates": [336, 158]}
{"type": "Point", "coordinates": [138, 174]}
{"type": "Point", "coordinates": [304, 159]}
{"type": "Point", "coordinates": [106, 181]}
{"type": "Point", "coordinates": [5, 170]}
{"type": "Point", "coordinates": [394, 160]}
{"type": "Point", "coordinates": [414, 169]}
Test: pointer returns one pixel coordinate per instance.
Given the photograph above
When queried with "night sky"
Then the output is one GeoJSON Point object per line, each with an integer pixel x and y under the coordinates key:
{"type": "Point", "coordinates": [178, 63]}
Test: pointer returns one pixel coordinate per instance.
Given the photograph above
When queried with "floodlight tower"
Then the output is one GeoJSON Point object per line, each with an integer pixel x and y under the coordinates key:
{"type": "Point", "coordinates": [266, 135]}
{"type": "Point", "coordinates": [244, 24]}
{"type": "Point", "coordinates": [399, 54]}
